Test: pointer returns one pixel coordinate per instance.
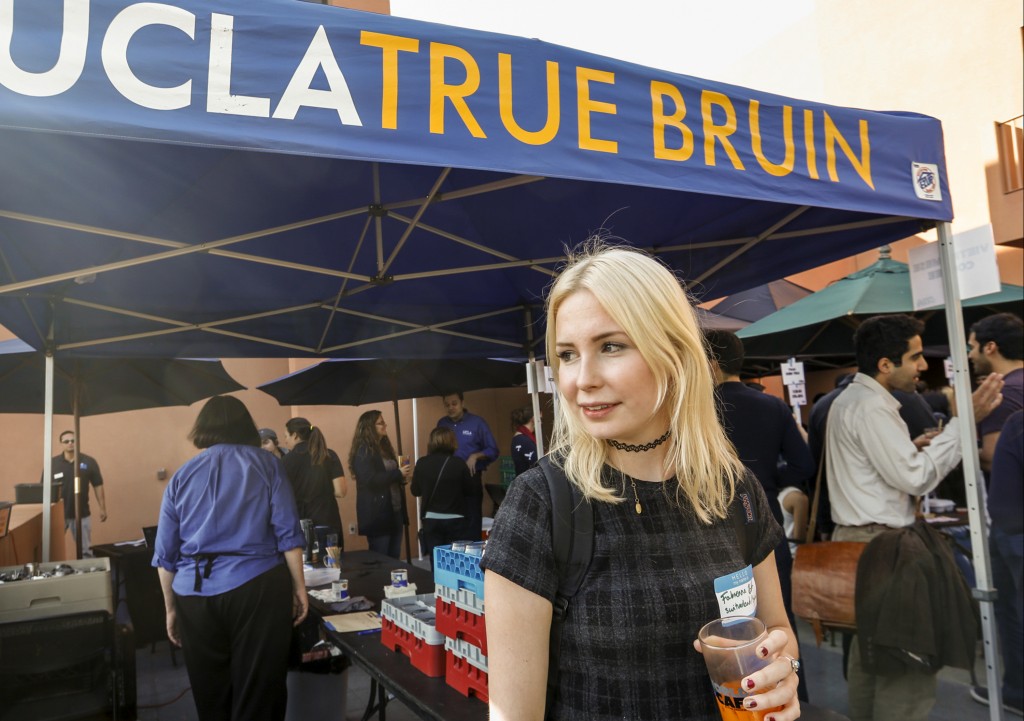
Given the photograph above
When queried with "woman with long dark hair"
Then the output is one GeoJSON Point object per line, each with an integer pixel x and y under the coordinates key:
{"type": "Point", "coordinates": [445, 483]}
{"type": "Point", "coordinates": [379, 484]}
{"type": "Point", "coordinates": [316, 475]}
{"type": "Point", "coordinates": [229, 556]}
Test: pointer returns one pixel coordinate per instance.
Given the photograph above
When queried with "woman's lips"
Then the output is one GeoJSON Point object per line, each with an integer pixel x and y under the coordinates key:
{"type": "Point", "coordinates": [596, 410]}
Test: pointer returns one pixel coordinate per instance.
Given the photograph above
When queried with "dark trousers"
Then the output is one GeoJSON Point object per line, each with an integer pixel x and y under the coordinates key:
{"type": "Point", "coordinates": [236, 648]}
{"type": "Point", "coordinates": [784, 565]}
{"type": "Point", "coordinates": [1007, 552]}
{"type": "Point", "coordinates": [390, 544]}
{"type": "Point", "coordinates": [474, 523]}
{"type": "Point", "coordinates": [440, 532]}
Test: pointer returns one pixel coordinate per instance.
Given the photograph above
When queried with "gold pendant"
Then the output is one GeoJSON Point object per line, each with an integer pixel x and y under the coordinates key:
{"type": "Point", "coordinates": [638, 509]}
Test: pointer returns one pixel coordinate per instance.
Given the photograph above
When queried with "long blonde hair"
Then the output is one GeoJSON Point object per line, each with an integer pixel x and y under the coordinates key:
{"type": "Point", "coordinates": [643, 297]}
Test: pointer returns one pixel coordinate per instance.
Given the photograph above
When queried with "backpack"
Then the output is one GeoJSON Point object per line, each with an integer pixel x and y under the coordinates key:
{"type": "Point", "coordinates": [572, 542]}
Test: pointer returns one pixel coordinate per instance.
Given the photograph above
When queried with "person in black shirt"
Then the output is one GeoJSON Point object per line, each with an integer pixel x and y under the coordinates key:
{"type": "Point", "coordinates": [524, 439]}
{"type": "Point", "coordinates": [62, 469]}
{"type": "Point", "coordinates": [444, 482]}
{"type": "Point", "coordinates": [316, 475]}
{"type": "Point", "coordinates": [764, 432]}
{"type": "Point", "coordinates": [636, 434]}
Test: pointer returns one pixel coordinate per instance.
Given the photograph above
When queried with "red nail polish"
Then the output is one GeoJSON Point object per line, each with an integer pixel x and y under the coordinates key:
{"type": "Point", "coordinates": [751, 703]}
{"type": "Point", "coordinates": [750, 683]}
{"type": "Point", "coordinates": [764, 652]}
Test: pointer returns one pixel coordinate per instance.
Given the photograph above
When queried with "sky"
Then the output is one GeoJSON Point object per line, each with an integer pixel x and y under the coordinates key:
{"type": "Point", "coordinates": [679, 35]}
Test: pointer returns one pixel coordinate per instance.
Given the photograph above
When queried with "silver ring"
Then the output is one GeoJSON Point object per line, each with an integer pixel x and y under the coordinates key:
{"type": "Point", "coordinates": [794, 663]}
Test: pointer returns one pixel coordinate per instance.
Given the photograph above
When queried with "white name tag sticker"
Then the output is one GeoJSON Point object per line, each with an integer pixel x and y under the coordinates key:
{"type": "Point", "coordinates": [737, 593]}
{"type": "Point", "coordinates": [58, 475]}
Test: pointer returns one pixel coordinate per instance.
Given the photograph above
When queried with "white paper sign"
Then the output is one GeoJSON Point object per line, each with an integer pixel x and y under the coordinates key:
{"type": "Point", "coordinates": [977, 270]}
{"type": "Point", "coordinates": [948, 367]}
{"type": "Point", "coordinates": [792, 372]}
{"type": "Point", "coordinates": [539, 376]}
{"type": "Point", "coordinates": [797, 394]}
{"type": "Point", "coordinates": [547, 376]}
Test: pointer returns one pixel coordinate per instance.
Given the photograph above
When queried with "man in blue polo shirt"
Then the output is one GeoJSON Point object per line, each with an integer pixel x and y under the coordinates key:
{"type": "Point", "coordinates": [476, 446]}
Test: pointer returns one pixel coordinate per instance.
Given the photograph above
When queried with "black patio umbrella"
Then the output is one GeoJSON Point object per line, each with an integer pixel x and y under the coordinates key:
{"type": "Point", "coordinates": [94, 386]}
{"type": "Point", "coordinates": [105, 385]}
{"type": "Point", "coordinates": [342, 382]}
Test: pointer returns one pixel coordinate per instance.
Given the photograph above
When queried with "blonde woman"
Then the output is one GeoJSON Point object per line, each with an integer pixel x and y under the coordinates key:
{"type": "Point", "coordinates": [637, 433]}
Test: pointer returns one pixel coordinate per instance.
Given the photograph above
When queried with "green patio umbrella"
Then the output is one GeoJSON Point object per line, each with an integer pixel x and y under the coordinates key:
{"type": "Point", "coordinates": [821, 325]}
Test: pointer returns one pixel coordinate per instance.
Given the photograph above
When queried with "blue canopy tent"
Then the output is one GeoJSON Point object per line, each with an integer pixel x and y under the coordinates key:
{"type": "Point", "coordinates": [341, 184]}
{"type": "Point", "coordinates": [220, 178]}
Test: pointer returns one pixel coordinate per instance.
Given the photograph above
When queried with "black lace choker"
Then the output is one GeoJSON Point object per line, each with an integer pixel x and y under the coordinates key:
{"type": "Point", "coordinates": [640, 448]}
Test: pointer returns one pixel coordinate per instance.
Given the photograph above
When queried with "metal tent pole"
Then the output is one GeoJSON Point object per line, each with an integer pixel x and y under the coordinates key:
{"type": "Point", "coordinates": [81, 494]}
{"type": "Point", "coordinates": [983, 591]}
{"type": "Point", "coordinates": [405, 505]}
{"type": "Point", "coordinates": [47, 454]}
{"type": "Point", "coordinates": [415, 456]}
{"type": "Point", "coordinates": [531, 372]}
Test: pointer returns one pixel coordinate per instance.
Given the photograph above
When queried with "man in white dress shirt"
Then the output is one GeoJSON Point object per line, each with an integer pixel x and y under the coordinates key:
{"type": "Point", "coordinates": [874, 473]}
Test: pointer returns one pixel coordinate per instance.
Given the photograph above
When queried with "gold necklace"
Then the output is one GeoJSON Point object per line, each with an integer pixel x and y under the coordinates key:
{"type": "Point", "coordinates": [639, 508]}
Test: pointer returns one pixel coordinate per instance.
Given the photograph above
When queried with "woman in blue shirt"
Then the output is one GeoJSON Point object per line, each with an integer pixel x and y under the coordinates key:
{"type": "Point", "coordinates": [229, 556]}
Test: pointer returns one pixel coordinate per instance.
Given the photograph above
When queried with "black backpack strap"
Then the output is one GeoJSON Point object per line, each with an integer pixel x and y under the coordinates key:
{"type": "Point", "coordinates": [572, 543]}
{"type": "Point", "coordinates": [742, 515]}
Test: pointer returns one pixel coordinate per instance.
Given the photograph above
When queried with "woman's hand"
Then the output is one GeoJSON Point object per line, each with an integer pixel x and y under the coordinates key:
{"type": "Point", "coordinates": [300, 602]}
{"type": "Point", "coordinates": [300, 605]}
{"type": "Point", "coordinates": [774, 685]}
{"type": "Point", "coordinates": [173, 634]}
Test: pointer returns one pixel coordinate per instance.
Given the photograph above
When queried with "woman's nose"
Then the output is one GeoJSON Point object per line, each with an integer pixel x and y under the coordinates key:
{"type": "Point", "coordinates": [587, 373]}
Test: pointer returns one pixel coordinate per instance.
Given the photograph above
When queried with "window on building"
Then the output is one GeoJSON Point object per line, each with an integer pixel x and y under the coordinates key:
{"type": "Point", "coordinates": [1010, 136]}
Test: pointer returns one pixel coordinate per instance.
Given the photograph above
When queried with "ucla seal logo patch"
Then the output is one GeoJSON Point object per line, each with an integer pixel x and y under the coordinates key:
{"type": "Point", "coordinates": [926, 181]}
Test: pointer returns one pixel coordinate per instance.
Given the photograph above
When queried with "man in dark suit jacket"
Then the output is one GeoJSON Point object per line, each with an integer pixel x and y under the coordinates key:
{"type": "Point", "coordinates": [767, 440]}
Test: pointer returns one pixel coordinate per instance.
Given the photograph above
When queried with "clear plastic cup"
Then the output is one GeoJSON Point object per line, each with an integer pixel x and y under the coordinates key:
{"type": "Point", "coordinates": [730, 648]}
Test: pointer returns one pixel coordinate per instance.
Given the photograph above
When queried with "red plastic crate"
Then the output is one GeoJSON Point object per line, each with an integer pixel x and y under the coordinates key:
{"type": "Point", "coordinates": [464, 677]}
{"type": "Point", "coordinates": [456, 622]}
{"type": "Point", "coordinates": [429, 659]}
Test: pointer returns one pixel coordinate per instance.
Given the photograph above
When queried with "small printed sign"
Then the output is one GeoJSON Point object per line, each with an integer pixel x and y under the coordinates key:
{"type": "Point", "coordinates": [926, 181]}
{"type": "Point", "coordinates": [947, 366]}
{"type": "Point", "coordinates": [977, 272]}
{"type": "Point", "coordinates": [792, 372]}
{"type": "Point", "coordinates": [797, 394]}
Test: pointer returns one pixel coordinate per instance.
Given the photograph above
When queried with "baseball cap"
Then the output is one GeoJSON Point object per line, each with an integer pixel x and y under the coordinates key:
{"type": "Point", "coordinates": [266, 433]}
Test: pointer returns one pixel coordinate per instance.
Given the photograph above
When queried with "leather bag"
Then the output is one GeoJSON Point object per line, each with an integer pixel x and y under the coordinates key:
{"type": "Point", "coordinates": [824, 581]}
{"type": "Point", "coordinates": [824, 577]}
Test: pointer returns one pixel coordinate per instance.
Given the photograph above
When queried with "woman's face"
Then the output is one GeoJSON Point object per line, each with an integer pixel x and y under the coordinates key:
{"type": "Point", "coordinates": [381, 427]}
{"type": "Point", "coordinates": [269, 445]}
{"type": "Point", "coordinates": [290, 440]}
{"type": "Point", "coordinates": [602, 376]}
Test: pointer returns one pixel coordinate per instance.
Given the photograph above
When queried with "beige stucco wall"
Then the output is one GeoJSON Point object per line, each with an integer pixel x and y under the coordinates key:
{"type": "Point", "coordinates": [131, 447]}
{"type": "Point", "coordinates": [376, 6]}
{"type": "Point", "coordinates": [959, 62]}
